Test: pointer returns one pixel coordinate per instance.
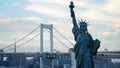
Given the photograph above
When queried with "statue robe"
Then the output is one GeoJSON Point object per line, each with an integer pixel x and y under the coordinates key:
{"type": "Point", "coordinates": [83, 48]}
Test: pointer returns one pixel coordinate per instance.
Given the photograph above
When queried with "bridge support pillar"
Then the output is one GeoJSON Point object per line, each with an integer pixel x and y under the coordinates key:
{"type": "Point", "coordinates": [50, 27]}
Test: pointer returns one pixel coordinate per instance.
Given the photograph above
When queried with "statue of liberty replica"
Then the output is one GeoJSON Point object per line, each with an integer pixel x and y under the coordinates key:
{"type": "Point", "coordinates": [85, 46]}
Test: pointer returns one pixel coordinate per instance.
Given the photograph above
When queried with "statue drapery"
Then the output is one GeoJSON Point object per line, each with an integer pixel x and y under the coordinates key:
{"type": "Point", "coordinates": [85, 46]}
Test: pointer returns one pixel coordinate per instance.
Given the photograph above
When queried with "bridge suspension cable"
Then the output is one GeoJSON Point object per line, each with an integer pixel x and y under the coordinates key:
{"type": "Point", "coordinates": [21, 40]}
{"type": "Point", "coordinates": [25, 39]}
{"type": "Point", "coordinates": [59, 41]}
{"type": "Point", "coordinates": [24, 42]}
{"type": "Point", "coordinates": [64, 37]}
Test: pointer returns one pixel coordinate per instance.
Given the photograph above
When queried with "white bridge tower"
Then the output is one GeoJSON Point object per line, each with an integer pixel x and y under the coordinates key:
{"type": "Point", "coordinates": [50, 27]}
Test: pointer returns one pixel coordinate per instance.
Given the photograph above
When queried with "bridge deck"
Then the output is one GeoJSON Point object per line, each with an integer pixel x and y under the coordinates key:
{"type": "Point", "coordinates": [44, 55]}
{"type": "Point", "coordinates": [55, 55]}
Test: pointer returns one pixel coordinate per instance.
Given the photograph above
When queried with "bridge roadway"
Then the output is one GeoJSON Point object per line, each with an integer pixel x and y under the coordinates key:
{"type": "Point", "coordinates": [44, 55]}
{"type": "Point", "coordinates": [55, 55]}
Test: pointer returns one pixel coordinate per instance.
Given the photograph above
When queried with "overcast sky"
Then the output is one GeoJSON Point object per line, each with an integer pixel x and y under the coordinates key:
{"type": "Point", "coordinates": [19, 17]}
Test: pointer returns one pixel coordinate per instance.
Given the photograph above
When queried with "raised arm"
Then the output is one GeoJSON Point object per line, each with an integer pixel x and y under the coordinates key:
{"type": "Point", "coordinates": [75, 29]}
{"type": "Point", "coordinates": [73, 14]}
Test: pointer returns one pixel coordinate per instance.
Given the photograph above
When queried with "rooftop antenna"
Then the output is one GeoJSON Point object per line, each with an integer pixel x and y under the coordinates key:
{"type": "Point", "coordinates": [15, 45]}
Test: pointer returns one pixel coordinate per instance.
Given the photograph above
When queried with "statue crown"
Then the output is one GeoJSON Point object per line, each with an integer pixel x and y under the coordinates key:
{"type": "Point", "coordinates": [83, 22]}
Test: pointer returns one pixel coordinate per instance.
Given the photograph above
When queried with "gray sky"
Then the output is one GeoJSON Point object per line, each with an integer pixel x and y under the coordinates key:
{"type": "Point", "coordinates": [19, 17]}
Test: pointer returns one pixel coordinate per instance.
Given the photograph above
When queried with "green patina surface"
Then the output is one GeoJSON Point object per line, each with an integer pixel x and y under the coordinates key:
{"type": "Point", "coordinates": [85, 46]}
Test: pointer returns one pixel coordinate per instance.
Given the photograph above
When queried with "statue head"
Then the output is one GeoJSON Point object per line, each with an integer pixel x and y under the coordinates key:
{"type": "Point", "coordinates": [83, 26]}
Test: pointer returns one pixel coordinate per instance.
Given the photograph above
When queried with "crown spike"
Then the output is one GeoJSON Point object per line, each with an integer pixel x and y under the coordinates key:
{"type": "Point", "coordinates": [84, 20]}
{"type": "Point", "coordinates": [81, 20]}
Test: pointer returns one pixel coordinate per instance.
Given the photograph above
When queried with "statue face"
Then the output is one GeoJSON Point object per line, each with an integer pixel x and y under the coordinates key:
{"type": "Point", "coordinates": [83, 27]}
